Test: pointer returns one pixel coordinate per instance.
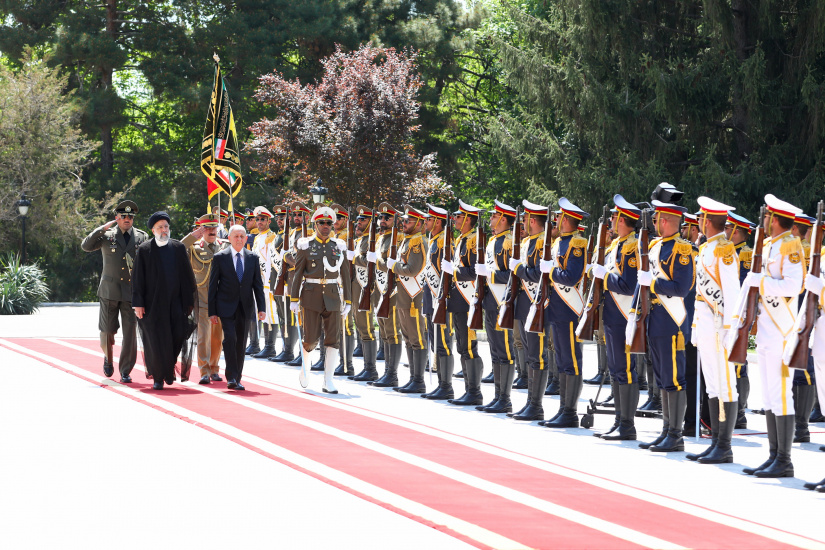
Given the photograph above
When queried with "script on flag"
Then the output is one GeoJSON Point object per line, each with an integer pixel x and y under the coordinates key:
{"type": "Point", "coordinates": [220, 160]}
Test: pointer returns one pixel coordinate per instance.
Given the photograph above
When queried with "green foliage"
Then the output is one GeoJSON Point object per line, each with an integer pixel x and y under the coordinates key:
{"type": "Point", "coordinates": [22, 288]}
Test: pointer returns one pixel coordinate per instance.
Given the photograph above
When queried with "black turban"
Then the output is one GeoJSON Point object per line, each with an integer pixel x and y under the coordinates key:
{"type": "Point", "coordinates": [156, 217]}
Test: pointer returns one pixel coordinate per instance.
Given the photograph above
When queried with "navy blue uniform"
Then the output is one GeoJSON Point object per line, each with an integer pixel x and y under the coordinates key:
{"type": "Point", "coordinates": [745, 258]}
{"type": "Point", "coordinates": [529, 272]}
{"type": "Point", "coordinates": [501, 340]}
{"type": "Point", "coordinates": [619, 286]}
{"type": "Point", "coordinates": [564, 307]}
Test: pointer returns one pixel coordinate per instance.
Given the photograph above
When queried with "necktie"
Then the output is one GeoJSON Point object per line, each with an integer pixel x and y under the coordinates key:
{"type": "Point", "coordinates": [239, 266]}
{"type": "Point", "coordinates": [126, 237]}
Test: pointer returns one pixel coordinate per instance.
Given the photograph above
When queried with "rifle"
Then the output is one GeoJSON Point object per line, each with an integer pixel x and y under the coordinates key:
{"type": "Point", "coordinates": [590, 318]}
{"type": "Point", "coordinates": [350, 241]}
{"type": "Point", "coordinates": [476, 311]}
{"type": "Point", "coordinates": [739, 346]}
{"type": "Point", "coordinates": [383, 310]}
{"type": "Point", "coordinates": [800, 350]}
{"type": "Point", "coordinates": [280, 285]}
{"type": "Point", "coordinates": [364, 303]}
{"type": "Point", "coordinates": [591, 243]}
{"type": "Point", "coordinates": [440, 311]}
{"type": "Point", "coordinates": [639, 342]}
{"type": "Point", "coordinates": [535, 319]}
{"type": "Point", "coordinates": [506, 314]}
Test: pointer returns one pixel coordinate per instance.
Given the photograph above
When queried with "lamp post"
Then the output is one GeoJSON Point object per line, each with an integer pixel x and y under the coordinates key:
{"type": "Point", "coordinates": [23, 208]}
{"type": "Point", "coordinates": [319, 192]}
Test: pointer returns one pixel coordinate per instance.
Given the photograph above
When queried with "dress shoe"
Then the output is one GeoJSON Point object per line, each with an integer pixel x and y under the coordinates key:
{"type": "Point", "coordinates": [204, 379]}
{"type": "Point", "coordinates": [108, 369]}
{"type": "Point", "coordinates": [295, 362]}
{"type": "Point", "coordinates": [489, 379]}
{"type": "Point", "coordinates": [169, 381]}
{"type": "Point", "coordinates": [157, 386]}
{"type": "Point", "coordinates": [239, 387]}
{"type": "Point", "coordinates": [126, 379]}
{"type": "Point", "coordinates": [282, 357]}
{"type": "Point", "coordinates": [813, 486]}
{"type": "Point", "coordinates": [231, 385]}
{"type": "Point", "coordinates": [216, 378]}
{"type": "Point", "coordinates": [520, 383]}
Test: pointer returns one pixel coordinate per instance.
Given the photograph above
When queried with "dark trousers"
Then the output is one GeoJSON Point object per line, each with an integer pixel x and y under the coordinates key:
{"type": "Point", "coordinates": [668, 362]}
{"type": "Point", "coordinates": [234, 340]}
{"type": "Point", "coordinates": [465, 338]}
{"type": "Point", "coordinates": [622, 365]}
{"type": "Point", "coordinates": [534, 347]}
{"type": "Point", "coordinates": [500, 340]}
{"type": "Point", "coordinates": [568, 350]}
{"type": "Point", "coordinates": [440, 337]}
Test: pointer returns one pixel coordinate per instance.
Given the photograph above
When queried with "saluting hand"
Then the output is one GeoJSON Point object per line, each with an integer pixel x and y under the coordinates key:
{"type": "Point", "coordinates": [110, 224]}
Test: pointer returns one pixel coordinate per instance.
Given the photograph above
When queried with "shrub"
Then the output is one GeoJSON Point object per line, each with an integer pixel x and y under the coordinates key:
{"type": "Point", "coordinates": [22, 288]}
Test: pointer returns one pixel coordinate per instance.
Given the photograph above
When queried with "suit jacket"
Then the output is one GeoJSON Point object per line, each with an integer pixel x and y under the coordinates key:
{"type": "Point", "coordinates": [116, 278]}
{"type": "Point", "coordinates": [225, 291]}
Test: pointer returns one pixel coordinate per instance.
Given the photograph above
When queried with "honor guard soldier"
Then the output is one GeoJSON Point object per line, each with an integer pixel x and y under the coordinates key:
{"type": "Point", "coordinates": [717, 290]}
{"type": "Point", "coordinates": [566, 270]}
{"type": "Point", "coordinates": [253, 332]}
{"type": "Point", "coordinates": [117, 241]}
{"type": "Point", "coordinates": [495, 274]}
{"type": "Point", "coordinates": [738, 231]}
{"type": "Point", "coordinates": [317, 292]}
{"type": "Point", "coordinates": [223, 215]}
{"type": "Point", "coordinates": [670, 280]}
{"type": "Point", "coordinates": [408, 267]}
{"type": "Point", "coordinates": [202, 244]}
{"type": "Point", "coordinates": [804, 391]}
{"type": "Point", "coordinates": [279, 213]}
{"type": "Point", "coordinates": [618, 275]}
{"type": "Point", "coordinates": [690, 228]}
{"type": "Point", "coordinates": [817, 286]}
{"type": "Point", "coordinates": [528, 270]}
{"type": "Point", "coordinates": [300, 217]}
{"type": "Point", "coordinates": [779, 286]}
{"type": "Point", "coordinates": [388, 329]}
{"type": "Point", "coordinates": [363, 319]}
{"type": "Point", "coordinates": [341, 232]}
{"type": "Point", "coordinates": [462, 293]}
{"type": "Point", "coordinates": [440, 336]}
{"type": "Point", "coordinates": [267, 248]}
{"type": "Point", "coordinates": [251, 228]}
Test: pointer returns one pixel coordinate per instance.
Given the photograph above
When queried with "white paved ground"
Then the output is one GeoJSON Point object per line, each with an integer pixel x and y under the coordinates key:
{"type": "Point", "coordinates": [83, 467]}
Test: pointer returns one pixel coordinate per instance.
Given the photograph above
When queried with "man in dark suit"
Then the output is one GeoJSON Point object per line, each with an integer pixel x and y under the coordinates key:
{"type": "Point", "coordinates": [235, 278]}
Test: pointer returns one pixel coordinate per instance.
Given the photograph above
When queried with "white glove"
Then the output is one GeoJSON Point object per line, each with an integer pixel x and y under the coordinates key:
{"type": "Point", "coordinates": [447, 267]}
{"type": "Point", "coordinates": [813, 284]}
{"type": "Point", "coordinates": [694, 336]}
{"type": "Point", "coordinates": [513, 263]}
{"type": "Point", "coordinates": [350, 255]}
{"type": "Point", "coordinates": [294, 307]}
{"type": "Point", "coordinates": [599, 271]}
{"type": "Point", "coordinates": [482, 271]}
{"type": "Point", "coordinates": [645, 278]}
{"type": "Point", "coordinates": [547, 266]}
{"type": "Point", "coordinates": [372, 257]}
{"type": "Point", "coordinates": [345, 311]}
{"type": "Point", "coordinates": [752, 279]}
{"type": "Point", "coordinates": [391, 262]}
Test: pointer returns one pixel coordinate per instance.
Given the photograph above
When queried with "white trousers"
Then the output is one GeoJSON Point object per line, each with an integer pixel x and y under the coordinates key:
{"type": "Point", "coordinates": [818, 352]}
{"type": "Point", "coordinates": [777, 390]}
{"type": "Point", "coordinates": [719, 373]}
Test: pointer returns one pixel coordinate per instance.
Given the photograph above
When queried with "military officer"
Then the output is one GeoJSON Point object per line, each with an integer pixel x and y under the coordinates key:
{"type": "Point", "coordinates": [388, 329]}
{"type": "Point", "coordinates": [738, 231]}
{"type": "Point", "coordinates": [441, 335]}
{"type": "Point", "coordinates": [279, 213]}
{"type": "Point", "coordinates": [495, 274]}
{"type": "Point", "coordinates": [817, 286]}
{"type": "Point", "coordinates": [566, 270]}
{"type": "Point", "coordinates": [202, 244]}
{"type": "Point", "coordinates": [618, 275]}
{"type": "Point", "coordinates": [804, 391]}
{"type": "Point", "coordinates": [251, 228]}
{"type": "Point", "coordinates": [363, 318]}
{"type": "Point", "coordinates": [779, 286]}
{"type": "Point", "coordinates": [299, 229]}
{"type": "Point", "coordinates": [408, 267]}
{"type": "Point", "coordinates": [462, 293]}
{"type": "Point", "coordinates": [117, 241]}
{"type": "Point", "coordinates": [670, 280]}
{"type": "Point", "coordinates": [690, 229]}
{"type": "Point", "coordinates": [341, 232]}
{"type": "Point", "coordinates": [717, 290]}
{"type": "Point", "coordinates": [317, 293]}
{"type": "Point", "coordinates": [266, 247]}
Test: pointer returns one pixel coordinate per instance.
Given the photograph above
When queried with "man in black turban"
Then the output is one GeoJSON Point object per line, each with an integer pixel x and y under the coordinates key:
{"type": "Point", "coordinates": [163, 291]}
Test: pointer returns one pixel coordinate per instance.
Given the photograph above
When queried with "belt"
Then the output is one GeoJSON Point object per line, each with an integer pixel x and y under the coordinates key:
{"type": "Point", "coordinates": [321, 281]}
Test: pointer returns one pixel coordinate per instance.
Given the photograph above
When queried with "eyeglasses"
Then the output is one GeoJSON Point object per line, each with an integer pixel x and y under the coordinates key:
{"type": "Point", "coordinates": [323, 222]}
{"type": "Point", "coordinates": [261, 219]}
{"type": "Point", "coordinates": [127, 216]}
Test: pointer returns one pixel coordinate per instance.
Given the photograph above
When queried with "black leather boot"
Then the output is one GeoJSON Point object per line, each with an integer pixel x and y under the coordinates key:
{"type": "Point", "coordinates": [520, 383]}
{"type": "Point", "coordinates": [665, 424]}
{"type": "Point", "coordinates": [569, 417]}
{"type": "Point", "coordinates": [411, 367]}
{"type": "Point", "coordinates": [380, 355]}
{"type": "Point", "coordinates": [344, 367]}
{"type": "Point", "coordinates": [359, 350]}
{"type": "Point", "coordinates": [803, 405]}
{"type": "Point", "coordinates": [472, 376]}
{"type": "Point", "coordinates": [677, 405]}
{"type": "Point", "coordinates": [419, 363]}
{"type": "Point", "coordinates": [628, 396]}
{"type": "Point", "coordinates": [816, 413]}
{"type": "Point", "coordinates": [530, 376]}
{"type": "Point", "coordinates": [553, 386]}
{"type": "Point", "coordinates": [496, 373]}
{"type": "Point", "coordinates": [505, 382]}
{"type": "Point", "coordinates": [743, 387]}
{"type": "Point", "coordinates": [601, 375]}
{"type": "Point", "coordinates": [782, 465]}
{"type": "Point", "coordinates": [617, 419]}
{"type": "Point", "coordinates": [319, 366]}
{"type": "Point", "coordinates": [535, 410]}
{"type": "Point", "coordinates": [770, 421]}
{"type": "Point", "coordinates": [490, 378]}
{"type": "Point", "coordinates": [269, 343]}
{"type": "Point", "coordinates": [288, 353]}
{"type": "Point", "coordinates": [392, 358]}
{"type": "Point", "coordinates": [445, 375]}
{"type": "Point", "coordinates": [713, 404]}
{"type": "Point", "coordinates": [562, 393]}
{"type": "Point", "coordinates": [722, 452]}
{"type": "Point", "coordinates": [254, 343]}
{"type": "Point", "coordinates": [370, 373]}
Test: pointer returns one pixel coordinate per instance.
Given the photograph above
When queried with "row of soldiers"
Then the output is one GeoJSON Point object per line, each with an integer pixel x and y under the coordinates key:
{"type": "Point", "coordinates": [699, 265]}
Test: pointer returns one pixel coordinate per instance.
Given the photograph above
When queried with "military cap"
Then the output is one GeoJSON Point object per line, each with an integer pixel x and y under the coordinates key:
{"type": "Point", "coordinates": [364, 212]}
{"type": "Point", "coordinates": [738, 221]}
{"type": "Point", "coordinates": [412, 213]}
{"type": "Point", "coordinates": [464, 208]}
{"type": "Point", "coordinates": [386, 209]}
{"type": "Point", "coordinates": [280, 210]}
{"type": "Point", "coordinates": [126, 207]}
{"type": "Point", "coordinates": [207, 220]}
{"type": "Point", "coordinates": [340, 211]}
{"type": "Point", "coordinates": [804, 220]}
{"type": "Point", "coordinates": [567, 208]}
{"type": "Point", "coordinates": [626, 208]}
{"type": "Point", "coordinates": [299, 207]}
{"type": "Point", "coordinates": [436, 212]}
{"type": "Point", "coordinates": [691, 219]}
{"type": "Point", "coordinates": [249, 213]}
{"type": "Point", "coordinates": [668, 208]}
{"type": "Point", "coordinates": [713, 207]}
{"type": "Point", "coordinates": [533, 208]}
{"type": "Point", "coordinates": [781, 208]}
{"type": "Point", "coordinates": [324, 213]}
{"type": "Point", "coordinates": [503, 209]}
{"type": "Point", "coordinates": [262, 211]}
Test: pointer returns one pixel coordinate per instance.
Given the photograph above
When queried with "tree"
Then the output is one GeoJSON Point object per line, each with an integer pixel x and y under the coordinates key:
{"type": "Point", "coordinates": [354, 129]}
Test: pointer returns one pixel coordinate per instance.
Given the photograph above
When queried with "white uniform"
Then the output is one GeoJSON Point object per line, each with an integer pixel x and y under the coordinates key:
{"type": "Point", "coordinates": [264, 247]}
{"type": "Point", "coordinates": [818, 347]}
{"type": "Point", "coordinates": [717, 288]}
{"type": "Point", "coordinates": [783, 269]}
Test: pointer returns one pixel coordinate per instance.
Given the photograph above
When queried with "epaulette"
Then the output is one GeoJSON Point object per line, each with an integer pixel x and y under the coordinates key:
{"type": "Point", "coordinates": [746, 255]}
{"type": "Point", "coordinates": [303, 243]}
{"type": "Point", "coordinates": [682, 247]}
{"type": "Point", "coordinates": [507, 244]}
{"type": "Point", "coordinates": [823, 251]}
{"type": "Point", "coordinates": [653, 241]}
{"type": "Point", "coordinates": [806, 247]}
{"type": "Point", "coordinates": [790, 245]}
{"type": "Point", "coordinates": [471, 241]}
{"type": "Point", "coordinates": [578, 242]}
{"type": "Point", "coordinates": [724, 249]}
{"type": "Point", "coordinates": [270, 237]}
{"type": "Point", "coordinates": [416, 239]}
{"type": "Point", "coordinates": [630, 245]}
{"type": "Point", "coordinates": [439, 241]}
{"type": "Point", "coordinates": [398, 239]}
{"type": "Point", "coordinates": [539, 243]}
{"type": "Point", "coordinates": [343, 235]}
{"type": "Point", "coordinates": [342, 244]}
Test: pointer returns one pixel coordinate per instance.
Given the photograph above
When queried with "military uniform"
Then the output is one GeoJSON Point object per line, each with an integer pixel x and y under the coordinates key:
{"type": "Point", "coordinates": [268, 250]}
{"type": "Point", "coordinates": [745, 255]}
{"type": "Point", "coordinates": [363, 318]}
{"type": "Point", "coordinates": [348, 331]}
{"type": "Point", "coordinates": [281, 306]}
{"type": "Point", "coordinates": [440, 336]}
{"type": "Point", "coordinates": [210, 335]}
{"type": "Point", "coordinates": [295, 233]}
{"type": "Point", "coordinates": [389, 329]}
{"type": "Point", "coordinates": [804, 390]}
{"type": "Point", "coordinates": [115, 289]}
{"type": "Point", "coordinates": [316, 284]}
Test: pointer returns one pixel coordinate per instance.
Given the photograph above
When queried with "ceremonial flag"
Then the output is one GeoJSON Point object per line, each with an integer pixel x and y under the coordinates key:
{"type": "Point", "coordinates": [220, 160]}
